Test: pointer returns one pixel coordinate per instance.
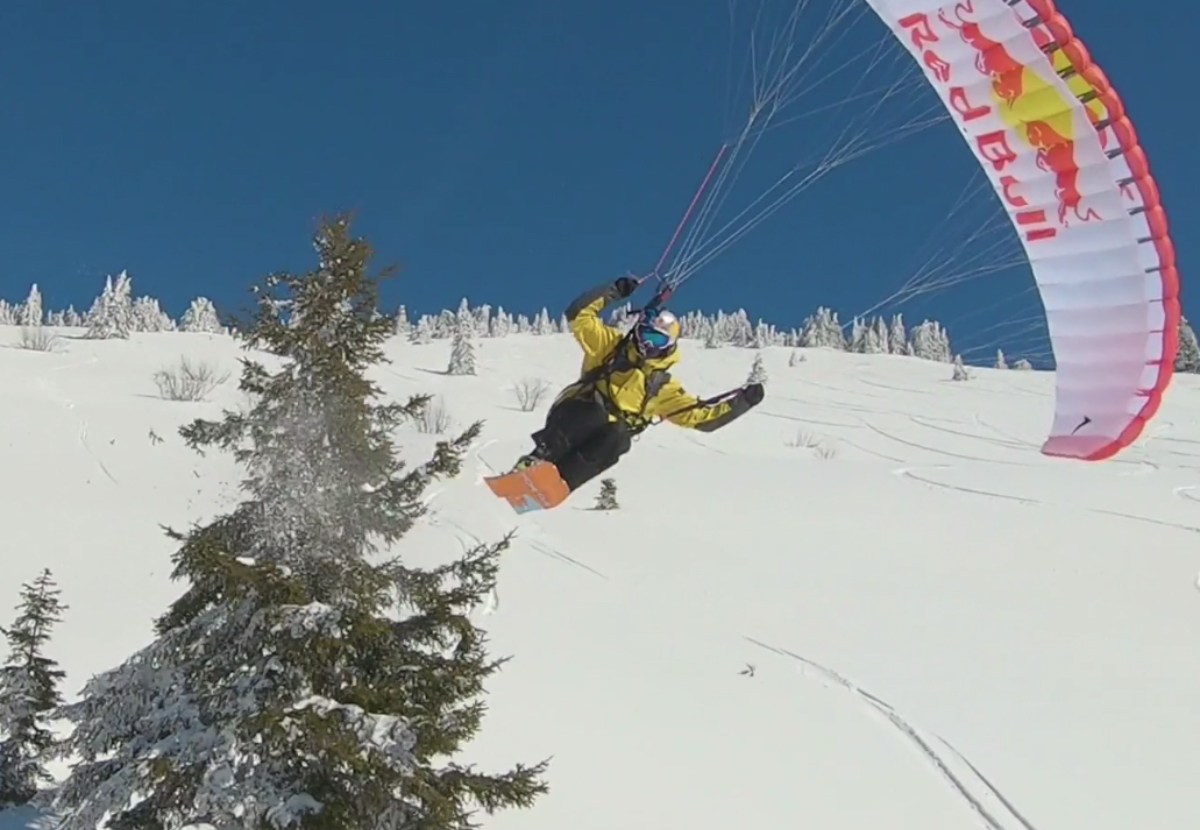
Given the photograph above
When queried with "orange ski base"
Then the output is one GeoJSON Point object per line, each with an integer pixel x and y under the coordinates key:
{"type": "Point", "coordinates": [538, 487]}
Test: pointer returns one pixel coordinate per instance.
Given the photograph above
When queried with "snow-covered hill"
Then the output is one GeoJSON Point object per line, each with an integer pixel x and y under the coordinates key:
{"type": "Point", "coordinates": [870, 603]}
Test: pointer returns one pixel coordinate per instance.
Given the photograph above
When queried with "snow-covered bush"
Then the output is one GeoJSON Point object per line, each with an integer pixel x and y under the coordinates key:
{"type": "Point", "coordinates": [188, 381]}
{"type": "Point", "coordinates": [37, 339]}
{"type": "Point", "coordinates": [435, 418]}
{"type": "Point", "coordinates": [530, 393]}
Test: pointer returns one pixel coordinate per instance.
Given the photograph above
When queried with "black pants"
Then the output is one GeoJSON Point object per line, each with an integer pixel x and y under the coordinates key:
{"type": "Point", "coordinates": [580, 441]}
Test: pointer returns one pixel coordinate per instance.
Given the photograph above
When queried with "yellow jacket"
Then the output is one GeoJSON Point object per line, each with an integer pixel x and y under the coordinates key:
{"type": "Point", "coordinates": [637, 390]}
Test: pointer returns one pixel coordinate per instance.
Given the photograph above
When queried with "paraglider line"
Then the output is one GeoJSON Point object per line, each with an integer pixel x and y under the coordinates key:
{"type": "Point", "coordinates": [687, 214]}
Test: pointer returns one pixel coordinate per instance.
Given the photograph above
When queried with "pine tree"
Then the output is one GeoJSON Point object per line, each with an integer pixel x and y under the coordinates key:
{"type": "Point", "coordinates": [28, 693]}
{"type": "Point", "coordinates": [1001, 363]}
{"type": "Point", "coordinates": [607, 500]}
{"type": "Point", "coordinates": [898, 337]}
{"type": "Point", "coordinates": [31, 313]}
{"type": "Point", "coordinates": [299, 681]}
{"type": "Point", "coordinates": [1023, 365]}
{"type": "Point", "coordinates": [462, 353]}
{"type": "Point", "coordinates": [960, 371]}
{"type": "Point", "coordinates": [758, 372]}
{"type": "Point", "coordinates": [1187, 358]}
{"type": "Point", "coordinates": [201, 318]}
{"type": "Point", "coordinates": [111, 315]}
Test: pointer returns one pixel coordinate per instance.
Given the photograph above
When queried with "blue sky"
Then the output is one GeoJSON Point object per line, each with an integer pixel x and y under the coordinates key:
{"type": "Point", "coordinates": [510, 152]}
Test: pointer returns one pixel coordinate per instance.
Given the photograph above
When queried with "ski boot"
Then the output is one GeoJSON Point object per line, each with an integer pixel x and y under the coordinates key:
{"type": "Point", "coordinates": [537, 455]}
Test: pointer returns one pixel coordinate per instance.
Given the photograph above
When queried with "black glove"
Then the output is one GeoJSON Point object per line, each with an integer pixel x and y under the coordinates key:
{"type": "Point", "coordinates": [625, 286]}
{"type": "Point", "coordinates": [752, 394]}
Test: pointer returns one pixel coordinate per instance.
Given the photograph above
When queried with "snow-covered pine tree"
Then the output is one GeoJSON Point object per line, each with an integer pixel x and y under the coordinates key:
{"type": "Point", "coordinates": [423, 332]}
{"type": "Point", "coordinates": [464, 318]}
{"type": "Point", "coordinates": [898, 337]}
{"type": "Point", "coordinates": [876, 341]}
{"type": "Point", "coordinates": [201, 318]}
{"type": "Point", "coordinates": [960, 371]}
{"type": "Point", "coordinates": [607, 499]}
{"type": "Point", "coordinates": [300, 681]}
{"type": "Point", "coordinates": [758, 372]}
{"type": "Point", "coordinates": [1023, 365]}
{"type": "Point", "coordinates": [930, 342]}
{"type": "Point", "coordinates": [29, 693]}
{"type": "Point", "coordinates": [111, 315]}
{"type": "Point", "coordinates": [402, 324]}
{"type": "Point", "coordinates": [30, 313]}
{"type": "Point", "coordinates": [148, 315]}
{"type": "Point", "coordinates": [462, 352]}
{"type": "Point", "coordinates": [1187, 358]}
{"type": "Point", "coordinates": [1001, 363]}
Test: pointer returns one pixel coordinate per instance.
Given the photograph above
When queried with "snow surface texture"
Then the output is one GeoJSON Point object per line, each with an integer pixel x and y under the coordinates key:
{"type": "Point", "coordinates": [870, 603]}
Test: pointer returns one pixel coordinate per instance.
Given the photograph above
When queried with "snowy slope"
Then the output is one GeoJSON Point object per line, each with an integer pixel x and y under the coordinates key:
{"type": "Point", "coordinates": [907, 577]}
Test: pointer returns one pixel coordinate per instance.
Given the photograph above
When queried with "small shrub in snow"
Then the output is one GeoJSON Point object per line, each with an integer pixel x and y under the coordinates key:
{"type": "Point", "coordinates": [28, 693]}
{"type": "Point", "coordinates": [530, 393]}
{"type": "Point", "coordinates": [37, 339]}
{"type": "Point", "coordinates": [188, 381]}
{"type": "Point", "coordinates": [607, 500]}
{"type": "Point", "coordinates": [960, 371]}
{"type": "Point", "coordinates": [434, 418]}
{"type": "Point", "coordinates": [796, 359]}
{"type": "Point", "coordinates": [805, 440]}
{"type": "Point", "coordinates": [1023, 365]}
{"type": "Point", "coordinates": [825, 452]}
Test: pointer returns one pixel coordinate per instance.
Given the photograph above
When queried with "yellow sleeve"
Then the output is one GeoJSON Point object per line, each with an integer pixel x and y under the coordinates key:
{"type": "Point", "coordinates": [674, 404]}
{"type": "Point", "coordinates": [595, 337]}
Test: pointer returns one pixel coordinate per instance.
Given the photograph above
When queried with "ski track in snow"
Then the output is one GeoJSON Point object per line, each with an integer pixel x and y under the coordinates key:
{"type": "Point", "coordinates": [542, 542]}
{"type": "Point", "coordinates": [905, 390]}
{"type": "Point", "coordinates": [936, 451]}
{"type": "Point", "coordinates": [1185, 492]}
{"type": "Point", "coordinates": [51, 390]}
{"type": "Point", "coordinates": [907, 472]}
{"type": "Point", "coordinates": [974, 794]}
{"type": "Point", "coordinates": [999, 442]}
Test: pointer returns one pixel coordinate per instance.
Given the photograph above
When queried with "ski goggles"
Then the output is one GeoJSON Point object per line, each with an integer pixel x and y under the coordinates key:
{"type": "Point", "coordinates": [652, 338]}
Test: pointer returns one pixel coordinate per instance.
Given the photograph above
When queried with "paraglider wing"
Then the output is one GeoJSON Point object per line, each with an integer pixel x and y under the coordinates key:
{"type": "Point", "coordinates": [1063, 157]}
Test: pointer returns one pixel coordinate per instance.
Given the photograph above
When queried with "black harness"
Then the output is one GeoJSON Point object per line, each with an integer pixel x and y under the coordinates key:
{"type": "Point", "coordinates": [619, 361]}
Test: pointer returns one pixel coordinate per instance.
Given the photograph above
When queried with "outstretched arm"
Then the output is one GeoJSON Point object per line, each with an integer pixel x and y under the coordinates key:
{"type": "Point", "coordinates": [596, 337]}
{"type": "Point", "coordinates": [674, 404]}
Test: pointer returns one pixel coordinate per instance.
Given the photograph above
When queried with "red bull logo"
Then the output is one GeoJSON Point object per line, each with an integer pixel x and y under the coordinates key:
{"type": "Point", "coordinates": [1033, 109]}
